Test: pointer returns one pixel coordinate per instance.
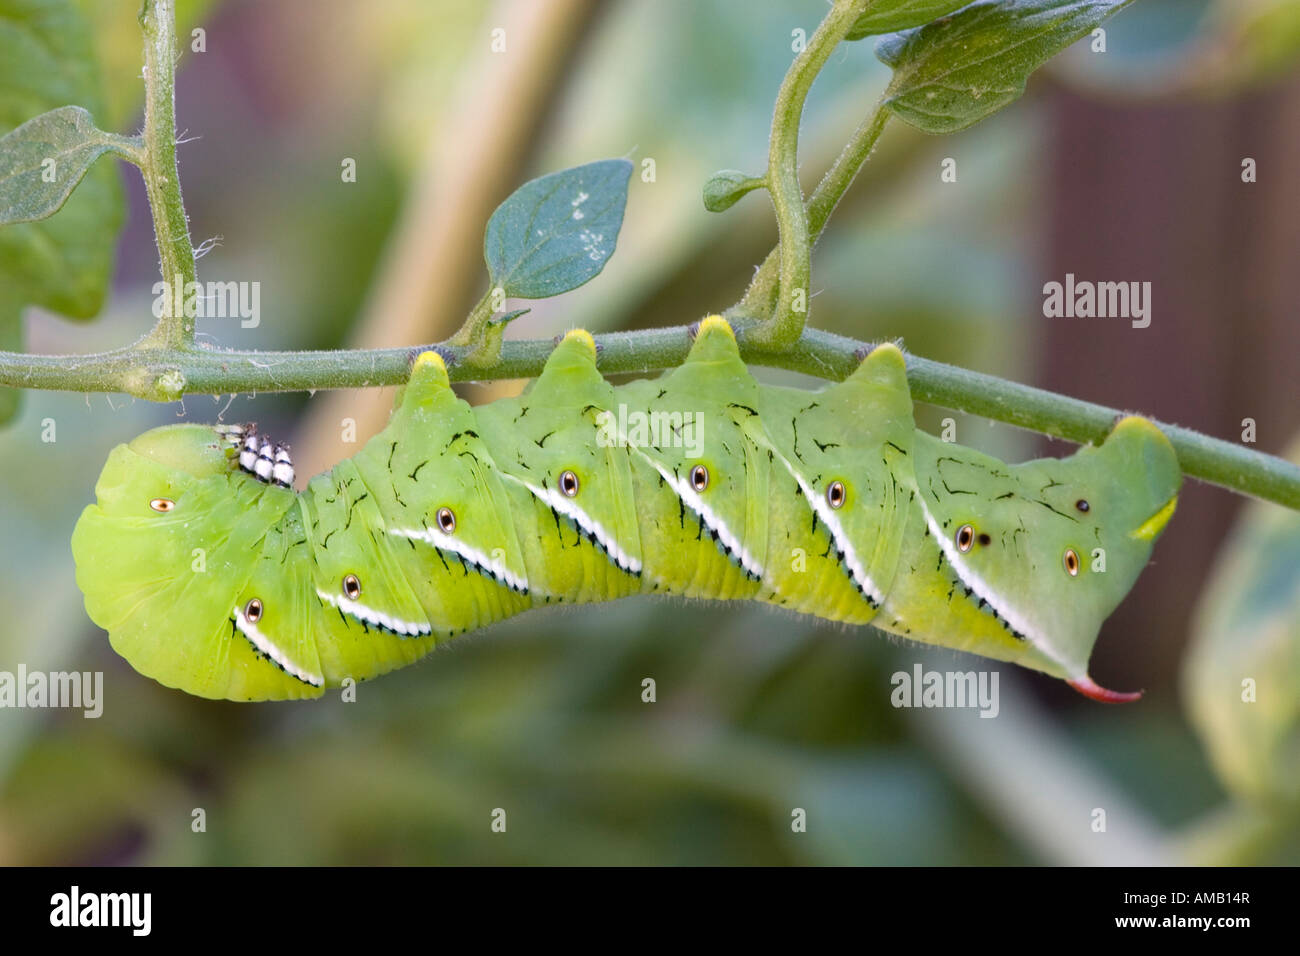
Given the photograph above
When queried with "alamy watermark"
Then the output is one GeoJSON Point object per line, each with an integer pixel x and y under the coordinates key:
{"type": "Point", "coordinates": [922, 688]}
{"type": "Point", "coordinates": [639, 429]}
{"type": "Point", "coordinates": [1101, 300]}
{"type": "Point", "coordinates": [57, 689]}
{"type": "Point", "coordinates": [209, 300]}
{"type": "Point", "coordinates": [129, 910]}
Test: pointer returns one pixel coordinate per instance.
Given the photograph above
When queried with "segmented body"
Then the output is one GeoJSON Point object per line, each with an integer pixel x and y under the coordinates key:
{"type": "Point", "coordinates": [700, 483]}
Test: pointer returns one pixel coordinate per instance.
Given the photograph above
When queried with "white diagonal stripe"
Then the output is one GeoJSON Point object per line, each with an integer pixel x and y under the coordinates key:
{"type": "Point", "coordinates": [692, 500]}
{"type": "Point", "coordinates": [823, 510]}
{"type": "Point", "coordinates": [474, 556]}
{"type": "Point", "coordinates": [268, 647]}
{"type": "Point", "coordinates": [370, 616]}
{"type": "Point", "coordinates": [567, 507]}
{"type": "Point", "coordinates": [970, 578]}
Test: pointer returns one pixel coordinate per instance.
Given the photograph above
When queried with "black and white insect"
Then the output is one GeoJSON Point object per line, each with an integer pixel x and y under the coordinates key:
{"type": "Point", "coordinates": [265, 460]}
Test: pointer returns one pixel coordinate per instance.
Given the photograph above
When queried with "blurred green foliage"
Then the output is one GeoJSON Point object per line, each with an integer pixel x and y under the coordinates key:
{"type": "Point", "coordinates": [63, 264]}
{"type": "Point", "coordinates": [1242, 674]}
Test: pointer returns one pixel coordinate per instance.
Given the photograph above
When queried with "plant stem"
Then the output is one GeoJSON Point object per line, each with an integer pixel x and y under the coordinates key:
{"type": "Point", "coordinates": [780, 330]}
{"type": "Point", "coordinates": [167, 374]}
{"type": "Point", "coordinates": [161, 178]}
{"type": "Point", "coordinates": [760, 297]}
{"type": "Point", "coordinates": [473, 334]}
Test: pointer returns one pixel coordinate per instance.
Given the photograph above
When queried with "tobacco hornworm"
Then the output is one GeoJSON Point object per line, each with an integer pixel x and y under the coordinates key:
{"type": "Point", "coordinates": [701, 483]}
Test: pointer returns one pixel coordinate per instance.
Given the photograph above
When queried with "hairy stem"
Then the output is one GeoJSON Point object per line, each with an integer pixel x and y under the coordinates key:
{"type": "Point", "coordinates": [760, 297]}
{"type": "Point", "coordinates": [157, 162]}
{"type": "Point", "coordinates": [781, 328]}
{"type": "Point", "coordinates": [167, 374]}
{"type": "Point", "coordinates": [473, 333]}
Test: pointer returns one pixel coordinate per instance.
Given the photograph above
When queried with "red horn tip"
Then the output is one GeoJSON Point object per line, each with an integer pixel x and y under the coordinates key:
{"type": "Point", "coordinates": [1089, 688]}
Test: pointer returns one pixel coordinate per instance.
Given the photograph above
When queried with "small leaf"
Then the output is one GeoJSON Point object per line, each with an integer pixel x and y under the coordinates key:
{"type": "Point", "coordinates": [63, 263]}
{"type": "Point", "coordinates": [42, 161]}
{"type": "Point", "coordinates": [886, 16]}
{"type": "Point", "coordinates": [725, 187]}
{"type": "Point", "coordinates": [555, 233]}
{"type": "Point", "coordinates": [501, 321]}
{"type": "Point", "coordinates": [955, 72]}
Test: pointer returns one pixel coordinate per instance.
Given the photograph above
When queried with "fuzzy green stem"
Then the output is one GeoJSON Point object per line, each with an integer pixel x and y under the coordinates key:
{"type": "Point", "coordinates": [760, 298]}
{"type": "Point", "coordinates": [780, 330]}
{"type": "Point", "coordinates": [483, 350]}
{"type": "Point", "coordinates": [162, 183]}
{"type": "Point", "coordinates": [167, 374]}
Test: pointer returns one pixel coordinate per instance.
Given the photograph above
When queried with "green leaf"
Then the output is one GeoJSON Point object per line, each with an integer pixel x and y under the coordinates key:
{"type": "Point", "coordinates": [63, 263]}
{"type": "Point", "coordinates": [1241, 677]}
{"type": "Point", "coordinates": [886, 16]}
{"type": "Point", "coordinates": [501, 321]}
{"type": "Point", "coordinates": [42, 161]}
{"type": "Point", "coordinates": [726, 186]}
{"type": "Point", "coordinates": [555, 233]}
{"type": "Point", "coordinates": [955, 72]}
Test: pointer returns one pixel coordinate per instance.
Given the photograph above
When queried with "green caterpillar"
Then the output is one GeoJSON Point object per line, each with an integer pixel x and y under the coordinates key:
{"type": "Point", "coordinates": [211, 575]}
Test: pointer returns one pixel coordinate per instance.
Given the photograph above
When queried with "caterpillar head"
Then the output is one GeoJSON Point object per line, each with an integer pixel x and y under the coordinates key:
{"type": "Point", "coordinates": [1047, 549]}
{"type": "Point", "coordinates": [156, 470]}
{"type": "Point", "coordinates": [166, 540]}
{"type": "Point", "coordinates": [1103, 509]}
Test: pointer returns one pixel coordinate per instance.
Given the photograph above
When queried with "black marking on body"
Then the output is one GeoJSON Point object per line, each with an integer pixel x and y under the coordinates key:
{"type": "Point", "coordinates": [468, 564]}
{"type": "Point", "coordinates": [1054, 511]}
{"type": "Point", "coordinates": [352, 507]}
{"type": "Point", "coordinates": [983, 605]}
{"type": "Point", "coordinates": [727, 551]}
